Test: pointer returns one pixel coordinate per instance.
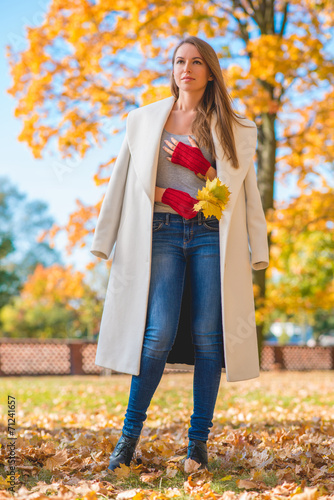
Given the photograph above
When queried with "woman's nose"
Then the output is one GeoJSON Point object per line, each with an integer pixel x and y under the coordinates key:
{"type": "Point", "coordinates": [187, 66]}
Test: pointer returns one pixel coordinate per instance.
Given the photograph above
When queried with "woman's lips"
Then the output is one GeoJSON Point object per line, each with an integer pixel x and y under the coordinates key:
{"type": "Point", "coordinates": [188, 79]}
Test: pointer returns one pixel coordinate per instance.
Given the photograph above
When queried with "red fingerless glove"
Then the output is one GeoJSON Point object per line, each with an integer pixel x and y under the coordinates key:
{"type": "Point", "coordinates": [190, 157]}
{"type": "Point", "coordinates": [180, 201]}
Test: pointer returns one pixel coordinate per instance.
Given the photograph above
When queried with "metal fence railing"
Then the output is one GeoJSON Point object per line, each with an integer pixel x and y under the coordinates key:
{"type": "Point", "coordinates": [77, 357]}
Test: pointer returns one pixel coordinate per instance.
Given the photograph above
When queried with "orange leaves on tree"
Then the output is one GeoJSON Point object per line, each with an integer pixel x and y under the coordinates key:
{"type": "Point", "coordinates": [77, 227]}
{"type": "Point", "coordinates": [98, 179]}
{"type": "Point", "coordinates": [74, 75]}
{"type": "Point", "coordinates": [54, 302]}
{"type": "Point", "coordinates": [302, 255]}
{"type": "Point", "coordinates": [53, 284]}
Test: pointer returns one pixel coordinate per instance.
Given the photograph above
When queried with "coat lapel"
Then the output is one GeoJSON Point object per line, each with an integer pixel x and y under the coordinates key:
{"type": "Point", "coordinates": [245, 142]}
{"type": "Point", "coordinates": [145, 127]}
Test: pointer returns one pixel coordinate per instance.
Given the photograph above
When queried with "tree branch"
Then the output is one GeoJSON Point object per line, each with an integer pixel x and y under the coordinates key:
{"type": "Point", "coordinates": [285, 17]}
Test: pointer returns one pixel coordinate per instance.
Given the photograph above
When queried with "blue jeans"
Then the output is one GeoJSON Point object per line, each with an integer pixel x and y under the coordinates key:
{"type": "Point", "coordinates": [176, 243]}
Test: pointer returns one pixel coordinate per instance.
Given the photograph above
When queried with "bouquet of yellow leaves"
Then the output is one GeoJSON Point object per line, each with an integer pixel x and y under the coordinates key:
{"type": "Point", "coordinates": [213, 198]}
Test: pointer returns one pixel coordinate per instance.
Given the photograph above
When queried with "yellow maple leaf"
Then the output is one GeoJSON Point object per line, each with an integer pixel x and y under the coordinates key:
{"type": "Point", "coordinates": [213, 198]}
{"type": "Point", "coordinates": [121, 471]}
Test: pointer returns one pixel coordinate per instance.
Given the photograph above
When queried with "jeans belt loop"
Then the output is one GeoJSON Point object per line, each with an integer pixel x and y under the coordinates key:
{"type": "Point", "coordinates": [167, 218]}
{"type": "Point", "coordinates": [200, 215]}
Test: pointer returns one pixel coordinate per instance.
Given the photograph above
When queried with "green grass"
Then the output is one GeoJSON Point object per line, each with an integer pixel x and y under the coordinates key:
{"type": "Point", "coordinates": [70, 394]}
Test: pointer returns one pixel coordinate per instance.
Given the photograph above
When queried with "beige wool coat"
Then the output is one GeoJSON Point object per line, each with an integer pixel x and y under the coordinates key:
{"type": "Point", "coordinates": [124, 232]}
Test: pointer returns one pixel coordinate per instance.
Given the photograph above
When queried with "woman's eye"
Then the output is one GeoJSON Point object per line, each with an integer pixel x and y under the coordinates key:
{"type": "Point", "coordinates": [179, 60]}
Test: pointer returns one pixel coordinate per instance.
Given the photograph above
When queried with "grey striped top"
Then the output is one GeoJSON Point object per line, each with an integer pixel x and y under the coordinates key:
{"type": "Point", "coordinates": [175, 176]}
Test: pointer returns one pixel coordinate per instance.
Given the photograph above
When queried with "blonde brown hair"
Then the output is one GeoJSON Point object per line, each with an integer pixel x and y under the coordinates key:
{"type": "Point", "coordinates": [215, 99]}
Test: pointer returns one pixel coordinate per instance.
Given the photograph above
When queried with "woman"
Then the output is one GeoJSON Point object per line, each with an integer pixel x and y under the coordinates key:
{"type": "Point", "coordinates": [166, 251]}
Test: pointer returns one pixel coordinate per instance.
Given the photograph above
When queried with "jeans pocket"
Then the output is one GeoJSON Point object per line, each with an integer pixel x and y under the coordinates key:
{"type": "Point", "coordinates": [157, 225]}
{"type": "Point", "coordinates": [211, 224]}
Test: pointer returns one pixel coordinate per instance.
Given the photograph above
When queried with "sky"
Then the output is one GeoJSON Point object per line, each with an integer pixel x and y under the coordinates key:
{"type": "Point", "coordinates": [38, 177]}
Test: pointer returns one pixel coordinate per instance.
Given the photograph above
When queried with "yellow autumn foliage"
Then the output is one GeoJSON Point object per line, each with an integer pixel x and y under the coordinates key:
{"type": "Point", "coordinates": [89, 62]}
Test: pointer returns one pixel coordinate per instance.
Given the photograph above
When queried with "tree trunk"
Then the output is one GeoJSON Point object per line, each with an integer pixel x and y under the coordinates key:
{"type": "Point", "coordinates": [266, 155]}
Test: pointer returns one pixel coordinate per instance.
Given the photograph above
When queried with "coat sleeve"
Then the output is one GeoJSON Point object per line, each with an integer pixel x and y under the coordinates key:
{"type": "Point", "coordinates": [256, 222]}
{"type": "Point", "coordinates": [105, 233]}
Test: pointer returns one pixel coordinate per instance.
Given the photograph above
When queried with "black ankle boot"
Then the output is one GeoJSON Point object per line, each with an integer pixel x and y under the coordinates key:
{"type": "Point", "coordinates": [197, 451]}
{"type": "Point", "coordinates": [123, 452]}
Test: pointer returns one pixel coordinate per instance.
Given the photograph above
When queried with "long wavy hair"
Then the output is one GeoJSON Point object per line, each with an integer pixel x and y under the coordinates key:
{"type": "Point", "coordinates": [215, 99]}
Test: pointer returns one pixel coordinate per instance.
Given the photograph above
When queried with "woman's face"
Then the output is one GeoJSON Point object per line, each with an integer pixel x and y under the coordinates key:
{"type": "Point", "coordinates": [189, 63]}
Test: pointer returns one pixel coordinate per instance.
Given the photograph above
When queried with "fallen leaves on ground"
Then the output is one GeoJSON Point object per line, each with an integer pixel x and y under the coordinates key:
{"type": "Point", "coordinates": [272, 439]}
{"type": "Point", "coordinates": [190, 466]}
